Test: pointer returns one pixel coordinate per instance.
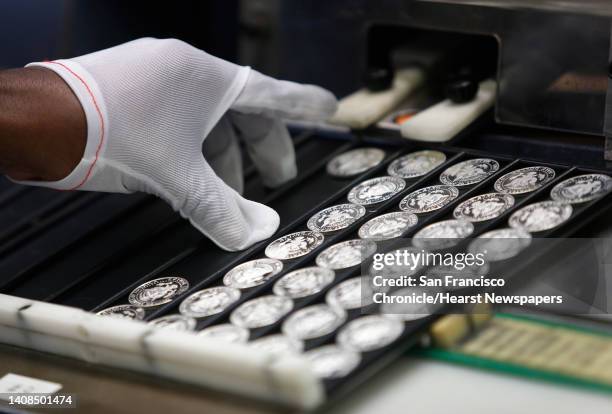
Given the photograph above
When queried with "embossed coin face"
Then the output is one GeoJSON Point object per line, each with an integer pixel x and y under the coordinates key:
{"type": "Point", "coordinates": [368, 333]}
{"type": "Point", "coordinates": [428, 199]}
{"type": "Point", "coordinates": [469, 172]}
{"type": "Point", "coordinates": [355, 162]}
{"type": "Point", "coordinates": [376, 190]}
{"type": "Point", "coordinates": [278, 344]}
{"type": "Point", "coordinates": [226, 332]}
{"type": "Point", "coordinates": [443, 234]}
{"type": "Point", "coordinates": [294, 245]}
{"type": "Point", "coordinates": [209, 301]}
{"type": "Point", "coordinates": [388, 226]}
{"type": "Point", "coordinates": [252, 273]}
{"type": "Point", "coordinates": [261, 311]}
{"type": "Point", "coordinates": [353, 293]}
{"type": "Point", "coordinates": [303, 282]}
{"type": "Point", "coordinates": [174, 323]}
{"type": "Point", "coordinates": [335, 218]}
{"type": "Point", "coordinates": [313, 322]}
{"type": "Point", "coordinates": [541, 216]}
{"type": "Point", "coordinates": [123, 312]}
{"type": "Point", "coordinates": [483, 207]}
{"type": "Point", "coordinates": [416, 164]}
{"type": "Point", "coordinates": [524, 180]}
{"type": "Point", "coordinates": [501, 244]}
{"type": "Point", "coordinates": [346, 254]}
{"type": "Point", "coordinates": [158, 291]}
{"type": "Point", "coordinates": [582, 188]}
{"type": "Point", "coordinates": [331, 361]}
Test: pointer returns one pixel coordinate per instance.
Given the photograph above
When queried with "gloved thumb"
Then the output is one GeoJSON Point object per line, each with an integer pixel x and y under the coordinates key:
{"type": "Point", "coordinates": [263, 95]}
{"type": "Point", "coordinates": [228, 219]}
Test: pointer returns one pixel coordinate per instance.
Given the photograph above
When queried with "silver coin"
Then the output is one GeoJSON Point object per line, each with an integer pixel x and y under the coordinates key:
{"type": "Point", "coordinates": [303, 282]}
{"type": "Point", "coordinates": [428, 199]}
{"type": "Point", "coordinates": [469, 172]}
{"type": "Point", "coordinates": [331, 361]}
{"type": "Point", "coordinates": [353, 293]}
{"type": "Point", "coordinates": [277, 344]}
{"type": "Point", "coordinates": [406, 262]}
{"type": "Point", "coordinates": [355, 162]}
{"type": "Point", "coordinates": [416, 164]}
{"type": "Point", "coordinates": [346, 254]}
{"type": "Point", "coordinates": [388, 226]}
{"type": "Point", "coordinates": [123, 312]}
{"type": "Point", "coordinates": [449, 271]}
{"type": "Point", "coordinates": [483, 207]}
{"type": "Point", "coordinates": [401, 308]}
{"type": "Point", "coordinates": [294, 245]}
{"type": "Point", "coordinates": [313, 322]}
{"type": "Point", "coordinates": [252, 273]}
{"type": "Point", "coordinates": [158, 291]}
{"type": "Point", "coordinates": [261, 311]}
{"type": "Point", "coordinates": [335, 218]}
{"type": "Point", "coordinates": [174, 323]}
{"type": "Point", "coordinates": [226, 332]}
{"type": "Point", "coordinates": [541, 216]}
{"type": "Point", "coordinates": [501, 244]}
{"type": "Point", "coordinates": [368, 333]}
{"type": "Point", "coordinates": [524, 180]}
{"type": "Point", "coordinates": [375, 190]}
{"type": "Point", "coordinates": [582, 188]}
{"type": "Point", "coordinates": [209, 301]}
{"type": "Point", "coordinates": [443, 234]}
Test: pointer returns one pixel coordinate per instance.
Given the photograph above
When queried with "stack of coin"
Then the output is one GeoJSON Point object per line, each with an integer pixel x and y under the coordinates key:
{"type": "Point", "coordinates": [582, 188]}
{"type": "Point", "coordinates": [416, 164]}
{"type": "Point", "coordinates": [541, 216]}
{"type": "Point", "coordinates": [123, 312]}
{"type": "Point", "coordinates": [174, 322]}
{"type": "Point", "coordinates": [331, 361]}
{"type": "Point", "coordinates": [428, 199]}
{"type": "Point", "coordinates": [469, 172]}
{"type": "Point", "coordinates": [252, 273]}
{"type": "Point", "coordinates": [369, 333]}
{"type": "Point", "coordinates": [261, 311]}
{"type": "Point", "coordinates": [483, 207]}
{"type": "Point", "coordinates": [388, 226]}
{"type": "Point", "coordinates": [355, 162]}
{"type": "Point", "coordinates": [294, 245]}
{"type": "Point", "coordinates": [376, 190]}
{"type": "Point", "coordinates": [209, 301]}
{"type": "Point", "coordinates": [158, 292]}
{"type": "Point", "coordinates": [226, 332]}
{"type": "Point", "coordinates": [335, 218]}
{"type": "Point", "coordinates": [346, 254]}
{"type": "Point", "coordinates": [303, 282]}
{"type": "Point", "coordinates": [524, 180]}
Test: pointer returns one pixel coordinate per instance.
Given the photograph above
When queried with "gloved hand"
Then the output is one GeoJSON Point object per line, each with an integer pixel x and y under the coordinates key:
{"type": "Point", "coordinates": [149, 105]}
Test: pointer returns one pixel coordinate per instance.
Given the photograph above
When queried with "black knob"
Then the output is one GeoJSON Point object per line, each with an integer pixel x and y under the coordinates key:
{"type": "Point", "coordinates": [461, 91]}
{"type": "Point", "coordinates": [378, 79]}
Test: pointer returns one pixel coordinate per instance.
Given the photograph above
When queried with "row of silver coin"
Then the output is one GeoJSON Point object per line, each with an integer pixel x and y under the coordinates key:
{"type": "Point", "coordinates": [349, 253]}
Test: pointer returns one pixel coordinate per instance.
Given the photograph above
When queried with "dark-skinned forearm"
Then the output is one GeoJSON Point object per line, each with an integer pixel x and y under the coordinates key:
{"type": "Point", "coordinates": [42, 125]}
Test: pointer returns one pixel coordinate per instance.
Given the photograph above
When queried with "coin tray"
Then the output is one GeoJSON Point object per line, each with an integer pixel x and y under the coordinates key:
{"type": "Point", "coordinates": [91, 250]}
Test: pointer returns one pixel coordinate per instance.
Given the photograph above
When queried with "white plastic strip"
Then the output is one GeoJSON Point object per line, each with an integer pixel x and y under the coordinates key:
{"type": "Point", "coordinates": [444, 120]}
{"type": "Point", "coordinates": [136, 346]}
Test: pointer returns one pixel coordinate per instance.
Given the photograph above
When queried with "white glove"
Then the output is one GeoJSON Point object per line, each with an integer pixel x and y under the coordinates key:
{"type": "Point", "coordinates": [150, 103]}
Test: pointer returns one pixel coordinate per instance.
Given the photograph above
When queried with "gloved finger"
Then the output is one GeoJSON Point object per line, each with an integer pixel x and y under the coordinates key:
{"type": "Point", "coordinates": [269, 145]}
{"type": "Point", "coordinates": [275, 98]}
{"type": "Point", "coordinates": [228, 219]}
{"type": "Point", "coordinates": [222, 152]}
